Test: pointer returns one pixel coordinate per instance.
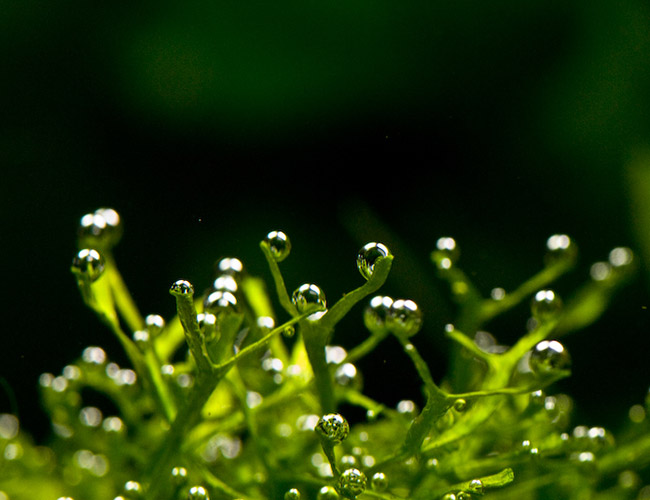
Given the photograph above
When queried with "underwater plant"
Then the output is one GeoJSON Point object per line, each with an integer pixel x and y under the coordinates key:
{"type": "Point", "coordinates": [231, 399]}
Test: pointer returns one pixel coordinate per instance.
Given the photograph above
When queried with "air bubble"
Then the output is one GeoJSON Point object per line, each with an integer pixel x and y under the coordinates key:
{"type": "Point", "coordinates": [327, 493]}
{"type": "Point", "coordinates": [279, 245]}
{"type": "Point", "coordinates": [133, 489]}
{"type": "Point", "coordinates": [376, 314]}
{"type": "Point", "coordinates": [102, 229]}
{"type": "Point", "coordinates": [292, 494]}
{"type": "Point", "coordinates": [231, 266]}
{"type": "Point", "coordinates": [181, 287]}
{"type": "Point", "coordinates": [404, 318]}
{"type": "Point", "coordinates": [407, 407]}
{"type": "Point", "coordinates": [379, 481]}
{"type": "Point", "coordinates": [94, 355]}
{"type": "Point", "coordinates": [446, 253]}
{"type": "Point", "coordinates": [9, 426]}
{"type": "Point", "coordinates": [88, 263]}
{"type": "Point", "coordinates": [225, 283]}
{"type": "Point", "coordinates": [560, 248]}
{"type": "Point", "coordinates": [154, 324]}
{"type": "Point", "coordinates": [600, 271]}
{"type": "Point", "coordinates": [220, 302]}
{"type": "Point", "coordinates": [368, 256]}
{"type": "Point", "coordinates": [179, 475]}
{"type": "Point", "coordinates": [620, 257]}
{"type": "Point", "coordinates": [476, 486]}
{"type": "Point", "coordinates": [208, 325]}
{"type": "Point", "coordinates": [141, 338]}
{"type": "Point", "coordinates": [545, 305]}
{"type": "Point", "coordinates": [460, 405]}
{"type": "Point", "coordinates": [307, 296]}
{"type": "Point", "coordinates": [198, 493]}
{"type": "Point", "coordinates": [91, 416]}
{"type": "Point", "coordinates": [547, 357]}
{"type": "Point", "coordinates": [333, 427]}
{"type": "Point", "coordinates": [352, 482]}
{"type": "Point", "coordinates": [347, 375]}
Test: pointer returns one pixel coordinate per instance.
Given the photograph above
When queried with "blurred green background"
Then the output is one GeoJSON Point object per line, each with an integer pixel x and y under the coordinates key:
{"type": "Point", "coordinates": [207, 124]}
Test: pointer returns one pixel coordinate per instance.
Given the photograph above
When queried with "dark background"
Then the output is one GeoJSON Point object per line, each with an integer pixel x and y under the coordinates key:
{"type": "Point", "coordinates": [206, 126]}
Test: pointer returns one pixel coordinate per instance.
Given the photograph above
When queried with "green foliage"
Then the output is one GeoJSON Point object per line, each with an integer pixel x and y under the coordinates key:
{"type": "Point", "coordinates": [232, 399]}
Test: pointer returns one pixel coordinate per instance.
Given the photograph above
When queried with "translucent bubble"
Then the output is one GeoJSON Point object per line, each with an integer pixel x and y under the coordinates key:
{"type": "Point", "coordinates": [548, 356]}
{"type": "Point", "coordinates": [497, 293]}
{"type": "Point", "coordinates": [220, 302]}
{"type": "Point", "coordinates": [102, 229]}
{"type": "Point", "coordinates": [179, 475]}
{"type": "Point", "coordinates": [333, 427]}
{"type": "Point", "coordinates": [620, 257]}
{"type": "Point", "coordinates": [600, 271]}
{"type": "Point", "coordinates": [208, 324]}
{"type": "Point", "coordinates": [560, 247]}
{"type": "Point", "coordinates": [463, 495]}
{"type": "Point", "coordinates": [368, 256]}
{"type": "Point", "coordinates": [88, 263]}
{"type": "Point", "coordinates": [335, 354]}
{"type": "Point", "coordinates": [460, 405]}
{"type": "Point", "coordinates": [379, 481]}
{"type": "Point", "coordinates": [141, 338]}
{"type": "Point", "coordinates": [231, 266]}
{"type": "Point", "coordinates": [376, 314]}
{"type": "Point", "coordinates": [406, 407]}
{"type": "Point", "coordinates": [292, 494]}
{"type": "Point", "coordinates": [94, 355]}
{"type": "Point", "coordinates": [449, 496]}
{"type": "Point", "coordinates": [253, 399]}
{"type": "Point", "coordinates": [352, 482]}
{"type": "Point", "coordinates": [9, 426]}
{"type": "Point", "coordinates": [198, 493]}
{"type": "Point", "coordinates": [347, 375]}
{"type": "Point", "coordinates": [133, 489]}
{"type": "Point", "coordinates": [279, 245]}
{"type": "Point", "coordinates": [327, 493]}
{"type": "Point", "coordinates": [476, 486]}
{"type": "Point", "coordinates": [545, 304]}
{"type": "Point", "coordinates": [91, 416]}
{"type": "Point", "coordinates": [307, 296]}
{"type": "Point", "coordinates": [182, 287]}
{"type": "Point", "coordinates": [446, 253]}
{"type": "Point", "coordinates": [113, 424]}
{"type": "Point", "coordinates": [225, 283]}
{"type": "Point", "coordinates": [154, 324]}
{"type": "Point", "coordinates": [404, 318]}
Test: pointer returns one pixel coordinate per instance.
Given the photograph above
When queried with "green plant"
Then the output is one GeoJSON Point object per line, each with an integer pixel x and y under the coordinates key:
{"type": "Point", "coordinates": [230, 399]}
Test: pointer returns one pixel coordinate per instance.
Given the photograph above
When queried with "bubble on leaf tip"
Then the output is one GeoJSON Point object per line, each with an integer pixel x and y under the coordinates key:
{"type": "Point", "coordinates": [375, 315]}
{"type": "Point", "coordinates": [88, 263]}
{"type": "Point", "coordinates": [327, 493]}
{"type": "Point", "coordinates": [352, 482]}
{"type": "Point", "coordinates": [198, 493]}
{"type": "Point", "coordinates": [333, 427]}
{"type": "Point", "coordinates": [368, 256]}
{"type": "Point", "coordinates": [545, 304]}
{"type": "Point", "coordinates": [404, 318]}
{"type": "Point", "coordinates": [307, 296]}
{"type": "Point", "coordinates": [292, 494]}
{"type": "Point", "coordinates": [548, 356]}
{"type": "Point", "coordinates": [279, 244]}
{"type": "Point", "coordinates": [181, 287]}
